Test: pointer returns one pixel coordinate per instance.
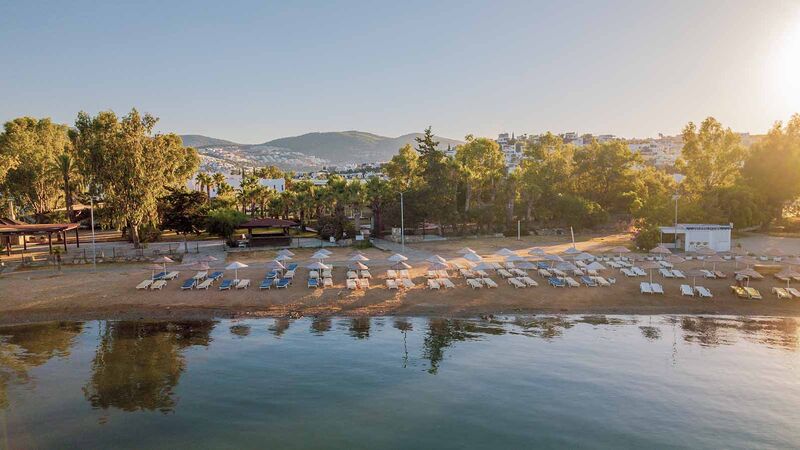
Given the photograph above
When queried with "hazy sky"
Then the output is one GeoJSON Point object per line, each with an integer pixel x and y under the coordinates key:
{"type": "Point", "coordinates": [252, 71]}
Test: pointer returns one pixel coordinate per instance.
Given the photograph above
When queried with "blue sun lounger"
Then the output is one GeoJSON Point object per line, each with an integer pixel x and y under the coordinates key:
{"type": "Point", "coordinates": [290, 267]}
{"type": "Point", "coordinates": [215, 276]}
{"type": "Point", "coordinates": [226, 285]}
{"type": "Point", "coordinates": [271, 274]}
{"type": "Point", "coordinates": [267, 283]}
{"type": "Point", "coordinates": [283, 283]}
{"type": "Point", "coordinates": [313, 282]}
{"type": "Point", "coordinates": [542, 265]}
{"type": "Point", "coordinates": [159, 276]}
{"type": "Point", "coordinates": [556, 282]}
{"type": "Point", "coordinates": [589, 281]}
{"type": "Point", "coordinates": [188, 284]}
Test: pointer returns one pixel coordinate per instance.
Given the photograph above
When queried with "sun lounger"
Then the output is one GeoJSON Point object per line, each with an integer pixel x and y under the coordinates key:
{"type": "Point", "coordinates": [687, 290]}
{"type": "Point", "coordinates": [544, 273]}
{"type": "Point", "coordinates": [481, 274]}
{"type": "Point", "coordinates": [407, 283]}
{"type": "Point", "coordinates": [578, 273]}
{"type": "Point", "coordinates": [556, 282]}
{"type": "Point", "coordinates": [793, 291]}
{"type": "Point", "coordinates": [657, 288]}
{"type": "Point", "coordinates": [144, 284]}
{"type": "Point", "coordinates": [644, 288]}
{"type": "Point", "coordinates": [205, 284]}
{"type": "Point", "coordinates": [542, 265]}
{"type": "Point", "coordinates": [291, 267]}
{"type": "Point", "coordinates": [225, 285]}
{"type": "Point", "coordinates": [739, 291]}
{"type": "Point", "coordinates": [446, 283]}
{"type": "Point", "coordinates": [529, 281]}
{"type": "Point", "coordinates": [474, 283]}
{"type": "Point", "coordinates": [613, 265]}
{"type": "Point", "coordinates": [516, 283]}
{"type": "Point", "coordinates": [171, 276]}
{"type": "Point", "coordinates": [215, 276]}
{"type": "Point", "coordinates": [601, 281]}
{"type": "Point", "coordinates": [558, 273]}
{"type": "Point", "coordinates": [159, 276]}
{"type": "Point", "coordinates": [313, 274]}
{"type": "Point", "coordinates": [588, 281]}
{"type": "Point", "coordinates": [571, 282]}
{"type": "Point", "coordinates": [753, 293]}
{"type": "Point", "coordinates": [665, 264]}
{"type": "Point", "coordinates": [267, 283]}
{"type": "Point", "coordinates": [243, 284]}
{"type": "Point", "coordinates": [719, 274]}
{"type": "Point", "coordinates": [327, 282]}
{"type": "Point", "coordinates": [351, 284]}
{"type": "Point", "coordinates": [519, 272]}
{"type": "Point", "coordinates": [391, 284]}
{"type": "Point", "coordinates": [627, 272]}
{"type": "Point", "coordinates": [289, 274]}
{"type": "Point", "coordinates": [781, 292]}
{"type": "Point", "coordinates": [272, 274]}
{"type": "Point", "coordinates": [703, 292]}
{"type": "Point", "coordinates": [366, 274]}
{"type": "Point", "coordinates": [431, 274]}
{"type": "Point", "coordinates": [363, 283]}
{"type": "Point", "coordinates": [781, 278]}
{"type": "Point", "coordinates": [283, 283]}
{"type": "Point", "coordinates": [504, 273]}
{"type": "Point", "coordinates": [327, 273]}
{"type": "Point", "coordinates": [433, 284]}
{"type": "Point", "coordinates": [352, 275]}
{"type": "Point", "coordinates": [403, 273]}
{"type": "Point", "coordinates": [638, 271]}
{"type": "Point", "coordinates": [489, 282]}
{"type": "Point", "coordinates": [391, 273]}
{"type": "Point", "coordinates": [666, 273]}
{"type": "Point", "coordinates": [158, 285]}
{"type": "Point", "coordinates": [199, 276]}
{"type": "Point", "coordinates": [678, 274]}
{"type": "Point", "coordinates": [708, 274]}
{"type": "Point", "coordinates": [313, 282]}
{"type": "Point", "coordinates": [188, 284]}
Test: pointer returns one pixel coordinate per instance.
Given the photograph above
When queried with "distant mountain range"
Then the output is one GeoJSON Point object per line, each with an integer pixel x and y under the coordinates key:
{"type": "Point", "coordinates": [310, 150]}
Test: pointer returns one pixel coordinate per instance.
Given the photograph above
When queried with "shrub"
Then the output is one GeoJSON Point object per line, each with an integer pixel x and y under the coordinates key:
{"type": "Point", "coordinates": [647, 238]}
{"type": "Point", "coordinates": [223, 222]}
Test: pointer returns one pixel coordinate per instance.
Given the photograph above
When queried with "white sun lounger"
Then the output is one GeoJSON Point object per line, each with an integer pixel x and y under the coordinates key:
{"type": "Point", "coordinates": [474, 283]}
{"type": "Point", "coordinates": [200, 276]}
{"type": "Point", "coordinates": [516, 283]}
{"type": "Point", "coordinates": [644, 288]}
{"type": "Point", "coordinates": [352, 275]}
{"type": "Point", "coordinates": [243, 283]}
{"type": "Point", "coordinates": [446, 283]}
{"type": "Point", "coordinates": [205, 284]}
{"type": "Point", "coordinates": [391, 273]}
{"type": "Point", "coordinates": [313, 274]}
{"type": "Point", "coordinates": [544, 273]}
{"type": "Point", "coordinates": [703, 292]}
{"type": "Point", "coordinates": [327, 273]}
{"type": "Point", "coordinates": [327, 282]}
{"type": "Point", "coordinates": [504, 273]}
{"type": "Point", "coordinates": [657, 288]}
{"type": "Point", "coordinates": [404, 274]}
{"type": "Point", "coordinates": [571, 282]}
{"type": "Point", "coordinates": [489, 282]}
{"type": "Point", "coordinates": [363, 283]}
{"type": "Point", "coordinates": [144, 284]}
{"type": "Point", "coordinates": [678, 274]}
{"type": "Point", "coordinates": [781, 292]}
{"type": "Point", "coordinates": [519, 272]}
{"type": "Point", "coordinates": [407, 283]}
{"type": "Point", "coordinates": [529, 281]}
{"type": "Point", "coordinates": [627, 272]}
{"type": "Point", "coordinates": [171, 276]}
{"type": "Point", "coordinates": [158, 285]}
{"type": "Point", "coordinates": [793, 291]}
{"type": "Point", "coordinates": [391, 284]}
{"type": "Point", "coordinates": [433, 284]}
{"type": "Point", "coordinates": [638, 271]}
{"type": "Point", "coordinates": [601, 281]}
{"type": "Point", "coordinates": [558, 273]}
{"type": "Point", "coordinates": [666, 273]}
{"type": "Point", "coordinates": [351, 284]}
{"type": "Point", "coordinates": [686, 290]}
{"type": "Point", "coordinates": [708, 274]}
{"type": "Point", "coordinates": [365, 274]}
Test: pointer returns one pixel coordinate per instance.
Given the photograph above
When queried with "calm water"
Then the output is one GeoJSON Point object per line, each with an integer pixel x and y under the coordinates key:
{"type": "Point", "coordinates": [592, 382]}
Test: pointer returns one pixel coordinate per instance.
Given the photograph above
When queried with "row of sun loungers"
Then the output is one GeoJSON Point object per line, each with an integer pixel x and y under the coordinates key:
{"type": "Point", "coordinates": [746, 292]}
{"type": "Point", "coordinates": [650, 288]}
{"type": "Point", "coordinates": [396, 283]}
{"type": "Point", "coordinates": [477, 283]}
{"type": "Point", "coordinates": [700, 291]}
{"type": "Point", "coordinates": [671, 273]}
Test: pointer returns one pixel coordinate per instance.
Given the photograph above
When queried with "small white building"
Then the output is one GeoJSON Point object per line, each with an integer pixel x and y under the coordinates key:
{"type": "Point", "coordinates": [690, 236]}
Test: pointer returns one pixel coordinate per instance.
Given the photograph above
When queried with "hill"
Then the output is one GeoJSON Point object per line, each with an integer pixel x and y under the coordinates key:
{"type": "Point", "coordinates": [200, 141]}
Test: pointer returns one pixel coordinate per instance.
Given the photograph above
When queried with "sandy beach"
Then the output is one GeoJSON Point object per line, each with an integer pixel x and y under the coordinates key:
{"type": "Point", "coordinates": [109, 293]}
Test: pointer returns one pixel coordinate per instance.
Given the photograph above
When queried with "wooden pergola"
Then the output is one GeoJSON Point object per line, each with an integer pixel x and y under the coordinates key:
{"type": "Point", "coordinates": [261, 239]}
{"type": "Point", "coordinates": [10, 228]}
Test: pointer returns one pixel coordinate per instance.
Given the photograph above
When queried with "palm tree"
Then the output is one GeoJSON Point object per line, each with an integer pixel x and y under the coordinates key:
{"type": "Point", "coordinates": [64, 167]}
{"type": "Point", "coordinates": [354, 195]}
{"type": "Point", "coordinates": [377, 193]}
{"type": "Point", "coordinates": [204, 180]}
{"type": "Point", "coordinates": [219, 180]}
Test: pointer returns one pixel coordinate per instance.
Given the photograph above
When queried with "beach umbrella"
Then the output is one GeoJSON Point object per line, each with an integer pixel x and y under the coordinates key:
{"type": "Point", "coordinates": [748, 260]}
{"type": "Point", "coordinates": [649, 266]}
{"type": "Point", "coordinates": [397, 257]}
{"type": "Point", "coordinates": [286, 252]}
{"type": "Point", "coordinates": [620, 250]}
{"type": "Point", "coordinates": [282, 257]}
{"type": "Point", "coordinates": [474, 257]}
{"type": "Point", "coordinates": [235, 266]}
{"type": "Point", "coordinates": [595, 266]}
{"type": "Point", "coordinates": [153, 267]}
{"type": "Point", "coordinates": [320, 256]}
{"type": "Point", "coordinates": [325, 251]}
{"type": "Point", "coordinates": [776, 252]}
{"type": "Point", "coordinates": [525, 265]}
{"type": "Point", "coordinates": [358, 265]}
{"type": "Point", "coordinates": [437, 259]}
{"type": "Point", "coordinates": [201, 265]}
{"type": "Point", "coordinates": [567, 266]}
{"type": "Point", "coordinates": [675, 259]}
{"type": "Point", "coordinates": [275, 265]}
{"type": "Point", "coordinates": [571, 251]}
{"type": "Point", "coordinates": [401, 265]}
{"type": "Point", "coordinates": [714, 259]}
{"type": "Point", "coordinates": [694, 273]}
{"type": "Point", "coordinates": [749, 273]}
{"type": "Point", "coordinates": [208, 258]}
{"type": "Point", "coordinates": [465, 250]}
{"type": "Point", "coordinates": [317, 265]}
{"type": "Point", "coordinates": [660, 250]}
{"type": "Point", "coordinates": [504, 252]}
{"type": "Point", "coordinates": [164, 260]}
{"type": "Point", "coordinates": [437, 266]}
{"type": "Point", "coordinates": [787, 273]}
{"type": "Point", "coordinates": [359, 257]}
{"type": "Point", "coordinates": [536, 251]}
{"type": "Point", "coordinates": [514, 258]}
{"type": "Point", "coordinates": [583, 256]}
{"type": "Point", "coordinates": [793, 261]}
{"type": "Point", "coordinates": [484, 266]}
{"type": "Point", "coordinates": [553, 258]}
{"type": "Point", "coordinates": [705, 251]}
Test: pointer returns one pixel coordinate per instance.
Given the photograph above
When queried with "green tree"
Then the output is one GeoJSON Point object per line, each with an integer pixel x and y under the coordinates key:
{"type": "Point", "coordinates": [223, 222]}
{"type": "Point", "coordinates": [711, 157]}
{"type": "Point", "coordinates": [378, 193]}
{"type": "Point", "coordinates": [205, 181]}
{"type": "Point", "coordinates": [65, 167]}
{"type": "Point", "coordinates": [183, 212]}
{"type": "Point", "coordinates": [482, 164]}
{"type": "Point", "coordinates": [605, 173]}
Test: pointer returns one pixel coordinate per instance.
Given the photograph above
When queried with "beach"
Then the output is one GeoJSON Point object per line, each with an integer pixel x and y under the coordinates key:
{"type": "Point", "coordinates": [78, 293]}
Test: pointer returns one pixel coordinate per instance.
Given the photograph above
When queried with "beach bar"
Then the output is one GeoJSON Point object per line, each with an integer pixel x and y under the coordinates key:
{"type": "Point", "coordinates": [689, 236]}
{"type": "Point", "coordinates": [12, 231]}
{"type": "Point", "coordinates": [268, 238]}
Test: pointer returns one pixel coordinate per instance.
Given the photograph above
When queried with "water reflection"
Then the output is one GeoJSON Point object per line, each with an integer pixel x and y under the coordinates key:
{"type": "Point", "coordinates": [442, 333]}
{"type": "Point", "coordinates": [771, 332]}
{"type": "Point", "coordinates": [279, 326]}
{"type": "Point", "coordinates": [24, 347]}
{"type": "Point", "coordinates": [359, 327]}
{"type": "Point", "coordinates": [138, 364]}
{"type": "Point", "coordinates": [240, 330]}
{"type": "Point", "coordinates": [320, 325]}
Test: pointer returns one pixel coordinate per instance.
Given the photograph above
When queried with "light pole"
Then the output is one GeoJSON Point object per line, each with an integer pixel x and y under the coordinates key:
{"type": "Point", "coordinates": [675, 197]}
{"type": "Point", "coordinates": [402, 225]}
{"type": "Point", "coordinates": [94, 248]}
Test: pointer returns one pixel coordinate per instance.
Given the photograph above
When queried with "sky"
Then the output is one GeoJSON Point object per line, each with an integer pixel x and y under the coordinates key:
{"type": "Point", "coordinates": [251, 71]}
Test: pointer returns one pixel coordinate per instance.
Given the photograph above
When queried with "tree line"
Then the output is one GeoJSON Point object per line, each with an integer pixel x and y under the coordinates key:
{"type": "Point", "coordinates": [139, 180]}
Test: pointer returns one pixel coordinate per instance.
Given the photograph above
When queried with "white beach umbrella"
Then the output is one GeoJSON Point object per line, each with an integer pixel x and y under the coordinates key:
{"type": "Point", "coordinates": [571, 251]}
{"type": "Point", "coordinates": [620, 250]}
{"type": "Point", "coordinates": [536, 251]}
{"type": "Point", "coordinates": [397, 257]}
{"type": "Point", "coordinates": [285, 252]}
{"type": "Point", "coordinates": [714, 259]}
{"type": "Point", "coordinates": [750, 273]}
{"type": "Point", "coordinates": [595, 266]}
{"type": "Point", "coordinates": [694, 273]}
{"type": "Point", "coordinates": [660, 250]}
{"type": "Point", "coordinates": [201, 265]}
{"type": "Point", "coordinates": [553, 257]}
{"type": "Point", "coordinates": [514, 258]}
{"type": "Point", "coordinates": [316, 265]}
{"type": "Point", "coordinates": [484, 266]}
{"type": "Point", "coordinates": [282, 257]}
{"type": "Point", "coordinates": [325, 251]}
{"type": "Point", "coordinates": [583, 256]}
{"type": "Point", "coordinates": [437, 259]}
{"type": "Point", "coordinates": [526, 265]}
{"type": "Point", "coordinates": [235, 266]}
{"type": "Point", "coordinates": [164, 260]}
{"type": "Point", "coordinates": [474, 257]}
{"type": "Point", "coordinates": [649, 266]}
{"type": "Point", "coordinates": [358, 265]}
{"type": "Point", "coordinates": [566, 266]}
{"type": "Point", "coordinates": [466, 250]}
{"type": "Point", "coordinates": [359, 257]}
{"type": "Point", "coordinates": [208, 258]}
{"type": "Point", "coordinates": [504, 252]}
{"type": "Point", "coordinates": [437, 266]}
{"type": "Point", "coordinates": [153, 268]}
{"type": "Point", "coordinates": [320, 256]}
{"type": "Point", "coordinates": [788, 273]}
{"type": "Point", "coordinates": [275, 265]}
{"type": "Point", "coordinates": [401, 265]}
